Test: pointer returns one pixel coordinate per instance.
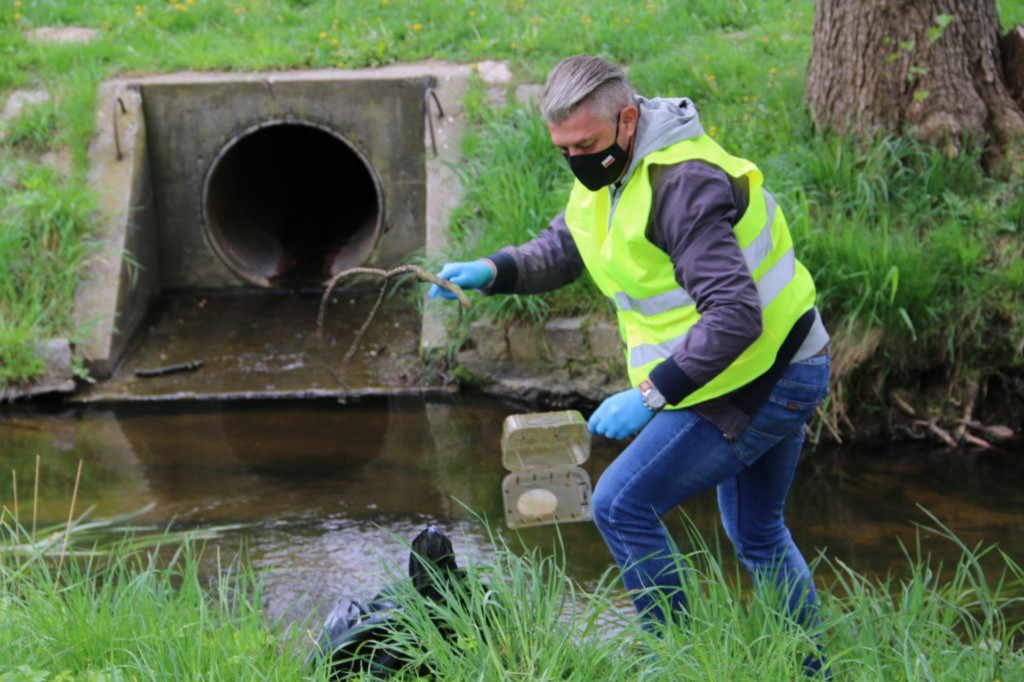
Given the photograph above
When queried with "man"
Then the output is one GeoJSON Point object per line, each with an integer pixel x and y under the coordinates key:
{"type": "Point", "coordinates": [726, 352]}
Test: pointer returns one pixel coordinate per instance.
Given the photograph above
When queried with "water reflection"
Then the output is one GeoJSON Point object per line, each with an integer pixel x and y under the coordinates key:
{"type": "Point", "coordinates": [331, 490]}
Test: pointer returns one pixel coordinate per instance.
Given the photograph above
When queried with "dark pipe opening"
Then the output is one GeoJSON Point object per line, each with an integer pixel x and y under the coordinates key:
{"type": "Point", "coordinates": [291, 203]}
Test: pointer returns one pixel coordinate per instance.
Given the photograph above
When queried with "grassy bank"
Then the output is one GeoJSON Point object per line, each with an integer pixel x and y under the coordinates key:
{"type": "Point", "coordinates": [918, 258]}
{"type": "Point", "coordinates": [134, 614]}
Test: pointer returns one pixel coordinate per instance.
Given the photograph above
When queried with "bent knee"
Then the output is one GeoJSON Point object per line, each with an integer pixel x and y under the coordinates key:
{"type": "Point", "coordinates": [602, 503]}
{"type": "Point", "coordinates": [615, 508]}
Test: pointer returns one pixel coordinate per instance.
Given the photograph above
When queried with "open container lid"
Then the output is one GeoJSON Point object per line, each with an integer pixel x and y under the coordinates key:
{"type": "Point", "coordinates": [543, 440]}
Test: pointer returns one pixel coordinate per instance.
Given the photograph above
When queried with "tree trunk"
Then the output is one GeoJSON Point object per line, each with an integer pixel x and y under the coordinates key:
{"type": "Point", "coordinates": [929, 68]}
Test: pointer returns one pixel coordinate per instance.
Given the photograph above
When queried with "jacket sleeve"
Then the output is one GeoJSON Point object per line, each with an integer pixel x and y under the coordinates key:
{"type": "Point", "coordinates": [694, 209]}
{"type": "Point", "coordinates": [546, 262]}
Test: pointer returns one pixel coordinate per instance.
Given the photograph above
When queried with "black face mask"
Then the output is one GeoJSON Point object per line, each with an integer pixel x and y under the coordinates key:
{"type": "Point", "coordinates": [599, 169]}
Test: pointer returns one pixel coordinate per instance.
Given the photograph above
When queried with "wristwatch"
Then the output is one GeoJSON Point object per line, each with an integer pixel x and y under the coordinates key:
{"type": "Point", "coordinates": [653, 399]}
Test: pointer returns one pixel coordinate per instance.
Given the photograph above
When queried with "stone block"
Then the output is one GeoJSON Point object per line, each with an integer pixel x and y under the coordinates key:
{"type": "Point", "coordinates": [57, 378]}
{"type": "Point", "coordinates": [62, 35]}
{"type": "Point", "coordinates": [604, 338]}
{"type": "Point", "coordinates": [20, 99]}
{"type": "Point", "coordinates": [489, 339]}
{"type": "Point", "coordinates": [526, 343]}
{"type": "Point", "coordinates": [566, 339]}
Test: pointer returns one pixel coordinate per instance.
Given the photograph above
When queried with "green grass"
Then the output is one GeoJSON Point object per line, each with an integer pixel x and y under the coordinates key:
{"type": "Point", "coordinates": [44, 243]}
{"type": "Point", "coordinates": [921, 251]}
{"type": "Point", "coordinates": [132, 613]}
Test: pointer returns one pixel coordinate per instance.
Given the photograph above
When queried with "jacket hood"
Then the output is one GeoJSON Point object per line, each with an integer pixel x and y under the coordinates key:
{"type": "Point", "coordinates": [663, 121]}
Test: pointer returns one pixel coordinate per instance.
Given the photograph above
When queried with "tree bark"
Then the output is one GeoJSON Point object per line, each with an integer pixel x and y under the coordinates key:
{"type": "Point", "coordinates": [928, 68]}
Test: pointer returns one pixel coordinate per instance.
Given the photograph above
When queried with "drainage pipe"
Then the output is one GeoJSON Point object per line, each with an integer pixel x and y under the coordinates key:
{"type": "Point", "coordinates": [289, 203]}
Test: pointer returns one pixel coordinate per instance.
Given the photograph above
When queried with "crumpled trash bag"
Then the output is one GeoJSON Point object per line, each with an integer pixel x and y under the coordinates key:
{"type": "Point", "coordinates": [358, 637]}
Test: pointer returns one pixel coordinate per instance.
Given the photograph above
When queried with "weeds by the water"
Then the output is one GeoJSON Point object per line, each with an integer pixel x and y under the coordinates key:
{"type": "Point", "coordinates": [134, 615]}
{"type": "Point", "coordinates": [147, 615]}
{"type": "Point", "coordinates": [45, 227]}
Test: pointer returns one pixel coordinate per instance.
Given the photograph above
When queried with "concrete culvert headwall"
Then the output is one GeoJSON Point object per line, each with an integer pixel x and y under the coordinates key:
{"type": "Point", "coordinates": [289, 203]}
{"type": "Point", "coordinates": [214, 184]}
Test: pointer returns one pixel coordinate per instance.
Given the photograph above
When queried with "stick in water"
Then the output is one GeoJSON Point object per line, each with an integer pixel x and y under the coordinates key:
{"type": "Point", "coordinates": [169, 369]}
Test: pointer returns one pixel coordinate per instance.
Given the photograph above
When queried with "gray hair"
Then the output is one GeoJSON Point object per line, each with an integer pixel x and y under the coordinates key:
{"type": "Point", "coordinates": [582, 79]}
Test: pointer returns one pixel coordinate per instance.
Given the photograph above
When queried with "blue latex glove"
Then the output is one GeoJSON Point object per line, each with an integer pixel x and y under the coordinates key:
{"type": "Point", "coordinates": [620, 415]}
{"type": "Point", "coordinates": [468, 275]}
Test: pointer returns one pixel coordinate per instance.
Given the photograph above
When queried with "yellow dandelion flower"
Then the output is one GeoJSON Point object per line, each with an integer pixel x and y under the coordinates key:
{"type": "Point", "coordinates": [341, 65]}
{"type": "Point", "coordinates": [417, 27]}
{"type": "Point", "coordinates": [472, 12]}
{"type": "Point", "coordinates": [707, 57]}
{"type": "Point", "coordinates": [535, 20]}
{"type": "Point", "coordinates": [746, 117]}
{"type": "Point", "coordinates": [323, 35]}
{"type": "Point", "coordinates": [710, 78]}
{"type": "Point", "coordinates": [334, 41]}
{"type": "Point", "coordinates": [17, 16]}
{"type": "Point", "coordinates": [383, 2]}
{"type": "Point", "coordinates": [773, 71]}
{"type": "Point", "coordinates": [764, 39]}
{"type": "Point", "coordinates": [238, 10]}
{"type": "Point", "coordinates": [17, 3]}
{"type": "Point", "coordinates": [476, 67]}
{"type": "Point", "coordinates": [712, 131]}
{"type": "Point", "coordinates": [512, 46]}
{"type": "Point", "coordinates": [191, 2]}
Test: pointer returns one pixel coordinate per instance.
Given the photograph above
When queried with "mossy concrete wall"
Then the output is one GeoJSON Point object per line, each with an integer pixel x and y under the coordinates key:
{"type": "Point", "coordinates": [565, 361]}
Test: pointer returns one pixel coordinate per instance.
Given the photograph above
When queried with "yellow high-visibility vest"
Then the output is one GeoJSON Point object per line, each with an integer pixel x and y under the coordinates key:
{"type": "Point", "coordinates": [654, 312]}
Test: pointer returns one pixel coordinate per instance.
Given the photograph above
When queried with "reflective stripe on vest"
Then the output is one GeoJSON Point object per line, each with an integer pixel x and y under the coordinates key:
{"type": "Point", "coordinates": [754, 255]}
{"type": "Point", "coordinates": [768, 287]}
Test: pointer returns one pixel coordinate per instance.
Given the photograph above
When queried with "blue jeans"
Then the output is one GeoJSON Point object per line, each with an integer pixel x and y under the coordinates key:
{"type": "Point", "coordinates": [679, 455]}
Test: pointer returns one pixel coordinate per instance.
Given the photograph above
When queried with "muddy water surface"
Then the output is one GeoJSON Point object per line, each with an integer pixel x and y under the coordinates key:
{"type": "Point", "coordinates": [326, 488]}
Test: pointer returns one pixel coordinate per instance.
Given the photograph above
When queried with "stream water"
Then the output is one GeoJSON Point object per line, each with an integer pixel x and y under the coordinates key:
{"type": "Point", "coordinates": [327, 490]}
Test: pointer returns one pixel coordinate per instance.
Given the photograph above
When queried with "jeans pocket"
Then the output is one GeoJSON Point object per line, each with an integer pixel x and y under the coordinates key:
{"type": "Point", "coordinates": [783, 415]}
